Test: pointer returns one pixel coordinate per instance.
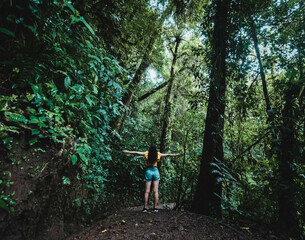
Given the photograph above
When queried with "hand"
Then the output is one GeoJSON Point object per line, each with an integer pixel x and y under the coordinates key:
{"type": "Point", "coordinates": [125, 151]}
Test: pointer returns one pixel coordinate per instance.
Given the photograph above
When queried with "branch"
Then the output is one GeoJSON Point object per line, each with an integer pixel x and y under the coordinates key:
{"type": "Point", "coordinates": [252, 145]}
{"type": "Point", "coordinates": [184, 54]}
{"type": "Point", "coordinates": [146, 95]}
{"type": "Point", "coordinates": [253, 81]}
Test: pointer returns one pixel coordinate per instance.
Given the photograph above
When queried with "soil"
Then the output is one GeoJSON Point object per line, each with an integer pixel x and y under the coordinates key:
{"type": "Point", "coordinates": [42, 208]}
{"type": "Point", "coordinates": [167, 224]}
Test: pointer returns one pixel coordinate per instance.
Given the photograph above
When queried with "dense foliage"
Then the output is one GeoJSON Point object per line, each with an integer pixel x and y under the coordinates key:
{"type": "Point", "coordinates": [60, 84]}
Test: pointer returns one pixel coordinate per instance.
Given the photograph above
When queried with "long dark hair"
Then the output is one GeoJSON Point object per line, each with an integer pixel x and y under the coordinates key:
{"type": "Point", "coordinates": [152, 154]}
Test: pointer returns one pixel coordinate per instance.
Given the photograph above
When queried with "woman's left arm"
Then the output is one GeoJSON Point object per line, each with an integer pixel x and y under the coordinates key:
{"type": "Point", "coordinates": [170, 154]}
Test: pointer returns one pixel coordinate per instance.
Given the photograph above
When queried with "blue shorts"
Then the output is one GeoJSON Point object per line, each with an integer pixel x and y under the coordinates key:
{"type": "Point", "coordinates": [152, 174]}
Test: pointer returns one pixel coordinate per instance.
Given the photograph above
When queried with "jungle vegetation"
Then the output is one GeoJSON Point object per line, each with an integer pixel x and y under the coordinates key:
{"type": "Point", "coordinates": [221, 82]}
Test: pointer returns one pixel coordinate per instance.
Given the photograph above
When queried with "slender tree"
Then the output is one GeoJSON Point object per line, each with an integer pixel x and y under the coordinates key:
{"type": "Point", "coordinates": [261, 68]}
{"type": "Point", "coordinates": [167, 107]}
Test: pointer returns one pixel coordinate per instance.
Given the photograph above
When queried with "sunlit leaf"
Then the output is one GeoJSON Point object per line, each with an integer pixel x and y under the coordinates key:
{"type": "Point", "coordinates": [66, 180]}
{"type": "Point", "coordinates": [87, 25]}
{"type": "Point", "coordinates": [74, 159]}
{"type": "Point", "coordinates": [67, 81]}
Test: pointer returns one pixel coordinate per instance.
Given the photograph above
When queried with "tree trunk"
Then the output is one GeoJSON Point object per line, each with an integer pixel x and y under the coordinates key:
{"type": "Point", "coordinates": [167, 108]}
{"type": "Point", "coordinates": [288, 221]}
{"type": "Point", "coordinates": [182, 171]}
{"type": "Point", "coordinates": [208, 192]}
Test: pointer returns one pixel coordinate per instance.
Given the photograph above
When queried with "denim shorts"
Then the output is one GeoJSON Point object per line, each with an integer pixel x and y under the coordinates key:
{"type": "Point", "coordinates": [152, 174]}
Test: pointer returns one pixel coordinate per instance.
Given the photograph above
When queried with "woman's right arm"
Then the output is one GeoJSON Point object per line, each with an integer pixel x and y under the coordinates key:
{"type": "Point", "coordinates": [134, 152]}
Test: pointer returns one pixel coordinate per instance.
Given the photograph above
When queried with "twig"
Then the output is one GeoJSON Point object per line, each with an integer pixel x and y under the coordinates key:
{"type": "Point", "coordinates": [256, 142]}
{"type": "Point", "coordinates": [235, 230]}
{"type": "Point", "coordinates": [5, 80]}
{"type": "Point", "coordinates": [42, 169]}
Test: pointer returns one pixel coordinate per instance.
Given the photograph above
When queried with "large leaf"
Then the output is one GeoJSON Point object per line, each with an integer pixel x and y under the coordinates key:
{"type": "Point", "coordinates": [87, 25]}
{"type": "Point", "coordinates": [70, 6]}
{"type": "Point", "coordinates": [15, 117]}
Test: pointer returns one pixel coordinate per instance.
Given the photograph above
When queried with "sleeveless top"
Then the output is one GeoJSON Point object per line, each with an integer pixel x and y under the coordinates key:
{"type": "Point", "coordinates": [155, 164]}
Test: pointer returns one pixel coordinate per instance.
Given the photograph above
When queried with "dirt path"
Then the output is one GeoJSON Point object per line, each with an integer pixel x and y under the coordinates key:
{"type": "Point", "coordinates": [166, 224]}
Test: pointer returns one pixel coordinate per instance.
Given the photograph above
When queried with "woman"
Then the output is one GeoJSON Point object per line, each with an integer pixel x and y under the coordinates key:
{"type": "Point", "coordinates": [152, 173]}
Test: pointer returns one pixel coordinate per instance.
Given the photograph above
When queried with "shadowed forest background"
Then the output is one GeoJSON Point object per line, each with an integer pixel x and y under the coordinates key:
{"type": "Point", "coordinates": [221, 82]}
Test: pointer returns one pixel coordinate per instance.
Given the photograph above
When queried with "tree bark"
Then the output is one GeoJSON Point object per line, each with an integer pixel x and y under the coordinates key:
{"type": "Point", "coordinates": [206, 200]}
{"type": "Point", "coordinates": [288, 221]}
{"type": "Point", "coordinates": [182, 171]}
{"type": "Point", "coordinates": [167, 108]}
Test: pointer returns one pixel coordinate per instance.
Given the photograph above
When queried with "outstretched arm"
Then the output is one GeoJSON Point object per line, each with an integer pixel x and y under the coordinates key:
{"type": "Point", "coordinates": [134, 152]}
{"type": "Point", "coordinates": [170, 154]}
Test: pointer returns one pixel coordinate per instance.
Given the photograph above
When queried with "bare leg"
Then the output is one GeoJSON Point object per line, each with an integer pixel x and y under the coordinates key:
{"type": "Point", "coordinates": [156, 193]}
{"type": "Point", "coordinates": [146, 193]}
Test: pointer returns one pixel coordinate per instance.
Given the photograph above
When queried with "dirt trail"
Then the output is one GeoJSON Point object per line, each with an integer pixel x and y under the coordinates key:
{"type": "Point", "coordinates": [166, 224]}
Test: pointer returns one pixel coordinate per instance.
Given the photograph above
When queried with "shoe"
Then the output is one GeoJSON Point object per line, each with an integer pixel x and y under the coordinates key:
{"type": "Point", "coordinates": [155, 210]}
{"type": "Point", "coordinates": [144, 210]}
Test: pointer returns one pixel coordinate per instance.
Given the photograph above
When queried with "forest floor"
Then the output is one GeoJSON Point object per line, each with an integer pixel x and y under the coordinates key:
{"type": "Point", "coordinates": [168, 224]}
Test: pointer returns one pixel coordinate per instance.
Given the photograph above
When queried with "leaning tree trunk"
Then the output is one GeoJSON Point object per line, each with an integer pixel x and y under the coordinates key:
{"type": "Point", "coordinates": [127, 97]}
{"type": "Point", "coordinates": [261, 68]}
{"type": "Point", "coordinates": [208, 192]}
{"type": "Point", "coordinates": [167, 108]}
